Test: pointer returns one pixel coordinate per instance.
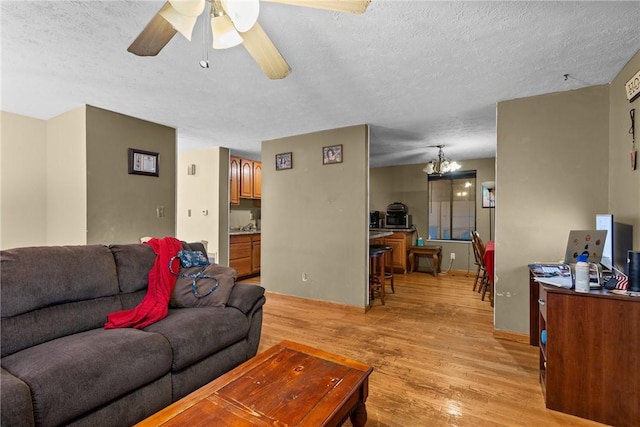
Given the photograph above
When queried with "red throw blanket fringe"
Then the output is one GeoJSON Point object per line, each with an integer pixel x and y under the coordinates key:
{"type": "Point", "coordinates": [155, 304]}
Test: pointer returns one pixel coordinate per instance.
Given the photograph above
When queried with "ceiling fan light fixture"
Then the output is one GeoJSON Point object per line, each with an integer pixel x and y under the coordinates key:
{"type": "Point", "coordinates": [224, 33]}
{"type": "Point", "coordinates": [182, 23]}
{"type": "Point", "coordinates": [243, 13]}
{"type": "Point", "coordinates": [188, 7]}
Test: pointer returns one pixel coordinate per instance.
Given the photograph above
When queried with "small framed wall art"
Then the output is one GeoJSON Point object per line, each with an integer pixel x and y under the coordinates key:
{"type": "Point", "coordinates": [332, 154]}
{"type": "Point", "coordinates": [489, 194]}
{"type": "Point", "coordinates": [284, 161]}
{"type": "Point", "coordinates": [143, 162]}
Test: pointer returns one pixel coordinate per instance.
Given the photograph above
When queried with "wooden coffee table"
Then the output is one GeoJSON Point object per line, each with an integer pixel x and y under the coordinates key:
{"type": "Point", "coordinates": [288, 385]}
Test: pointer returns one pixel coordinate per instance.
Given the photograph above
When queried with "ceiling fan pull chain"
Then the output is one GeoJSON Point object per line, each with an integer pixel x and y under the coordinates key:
{"type": "Point", "coordinates": [204, 62]}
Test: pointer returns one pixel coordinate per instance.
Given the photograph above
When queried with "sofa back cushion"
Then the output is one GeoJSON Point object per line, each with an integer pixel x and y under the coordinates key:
{"type": "Point", "coordinates": [50, 292]}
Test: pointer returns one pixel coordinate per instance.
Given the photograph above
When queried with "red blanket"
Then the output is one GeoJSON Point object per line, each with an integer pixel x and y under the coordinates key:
{"type": "Point", "coordinates": [155, 304]}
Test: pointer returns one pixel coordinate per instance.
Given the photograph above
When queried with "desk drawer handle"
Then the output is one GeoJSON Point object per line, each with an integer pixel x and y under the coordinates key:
{"type": "Point", "coordinates": [541, 302]}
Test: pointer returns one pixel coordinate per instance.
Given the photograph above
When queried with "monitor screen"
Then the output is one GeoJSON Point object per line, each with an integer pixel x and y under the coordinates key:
{"type": "Point", "coordinates": [605, 222]}
{"type": "Point", "coordinates": [619, 240]}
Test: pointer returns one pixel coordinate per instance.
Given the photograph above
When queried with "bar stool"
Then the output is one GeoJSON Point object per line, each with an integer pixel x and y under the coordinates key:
{"type": "Point", "coordinates": [376, 273]}
{"type": "Point", "coordinates": [388, 263]}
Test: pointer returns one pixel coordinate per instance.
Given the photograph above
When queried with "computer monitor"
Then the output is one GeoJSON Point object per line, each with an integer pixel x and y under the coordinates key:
{"type": "Point", "coordinates": [619, 241]}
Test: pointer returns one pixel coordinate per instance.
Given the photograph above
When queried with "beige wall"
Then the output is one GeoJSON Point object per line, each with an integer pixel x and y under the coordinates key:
{"type": "Point", "coordinates": [624, 184]}
{"type": "Point", "coordinates": [67, 178]}
{"type": "Point", "coordinates": [207, 190]}
{"type": "Point", "coordinates": [23, 176]}
{"type": "Point", "coordinates": [315, 217]}
{"type": "Point", "coordinates": [408, 184]}
{"type": "Point", "coordinates": [121, 207]}
{"type": "Point", "coordinates": [552, 177]}
{"type": "Point", "coordinates": [76, 188]}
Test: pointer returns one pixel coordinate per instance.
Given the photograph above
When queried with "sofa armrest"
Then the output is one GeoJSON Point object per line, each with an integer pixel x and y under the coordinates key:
{"type": "Point", "coordinates": [16, 408]}
{"type": "Point", "coordinates": [246, 298]}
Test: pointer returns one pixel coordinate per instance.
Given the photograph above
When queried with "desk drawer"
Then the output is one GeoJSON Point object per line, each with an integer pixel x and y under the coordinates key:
{"type": "Point", "coordinates": [542, 302]}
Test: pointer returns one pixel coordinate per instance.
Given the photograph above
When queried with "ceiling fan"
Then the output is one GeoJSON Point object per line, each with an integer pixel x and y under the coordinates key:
{"type": "Point", "coordinates": [232, 22]}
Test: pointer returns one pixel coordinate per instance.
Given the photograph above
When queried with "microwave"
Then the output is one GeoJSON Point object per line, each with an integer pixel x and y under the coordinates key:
{"type": "Point", "coordinates": [398, 221]}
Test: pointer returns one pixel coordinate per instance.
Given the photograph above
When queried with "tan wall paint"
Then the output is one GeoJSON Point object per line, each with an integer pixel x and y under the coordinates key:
{"type": "Point", "coordinates": [624, 184]}
{"type": "Point", "coordinates": [23, 205]}
{"type": "Point", "coordinates": [315, 217]}
{"type": "Point", "coordinates": [67, 178]}
{"type": "Point", "coordinates": [552, 174]}
{"type": "Point", "coordinates": [121, 207]}
{"type": "Point", "coordinates": [408, 184]}
{"type": "Point", "coordinates": [208, 191]}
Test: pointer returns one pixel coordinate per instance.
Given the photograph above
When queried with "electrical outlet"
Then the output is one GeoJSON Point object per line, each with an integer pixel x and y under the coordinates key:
{"type": "Point", "coordinates": [305, 277]}
{"type": "Point", "coordinates": [160, 211]}
{"type": "Point", "coordinates": [453, 255]}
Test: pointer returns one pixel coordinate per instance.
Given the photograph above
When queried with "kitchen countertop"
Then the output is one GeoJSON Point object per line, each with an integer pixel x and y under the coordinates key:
{"type": "Point", "coordinates": [240, 232]}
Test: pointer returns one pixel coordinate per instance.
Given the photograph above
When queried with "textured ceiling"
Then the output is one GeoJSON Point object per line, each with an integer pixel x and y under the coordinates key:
{"type": "Point", "coordinates": [420, 73]}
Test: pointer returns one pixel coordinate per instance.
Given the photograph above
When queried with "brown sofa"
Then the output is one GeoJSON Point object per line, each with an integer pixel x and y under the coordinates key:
{"type": "Point", "coordinates": [60, 366]}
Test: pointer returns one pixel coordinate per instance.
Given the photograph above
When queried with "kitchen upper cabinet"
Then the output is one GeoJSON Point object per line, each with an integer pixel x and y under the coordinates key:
{"type": "Point", "coordinates": [257, 180]}
{"type": "Point", "coordinates": [246, 179]}
{"type": "Point", "coordinates": [234, 181]}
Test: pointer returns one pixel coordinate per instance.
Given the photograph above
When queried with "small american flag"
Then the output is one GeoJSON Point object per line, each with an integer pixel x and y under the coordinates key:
{"type": "Point", "coordinates": [623, 282]}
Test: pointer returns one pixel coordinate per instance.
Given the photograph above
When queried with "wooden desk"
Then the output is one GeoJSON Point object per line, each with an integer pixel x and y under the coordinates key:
{"type": "Point", "coordinates": [589, 365]}
{"type": "Point", "coordinates": [287, 385]}
{"type": "Point", "coordinates": [433, 252]}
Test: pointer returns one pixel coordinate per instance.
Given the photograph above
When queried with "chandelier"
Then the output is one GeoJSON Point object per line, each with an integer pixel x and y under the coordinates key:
{"type": "Point", "coordinates": [441, 164]}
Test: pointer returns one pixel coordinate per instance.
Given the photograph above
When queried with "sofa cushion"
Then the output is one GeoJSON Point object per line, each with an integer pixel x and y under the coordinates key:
{"type": "Point", "coordinates": [195, 333]}
{"type": "Point", "coordinates": [133, 263]}
{"type": "Point", "coordinates": [51, 292]}
{"type": "Point", "coordinates": [72, 375]}
{"type": "Point", "coordinates": [183, 296]}
{"type": "Point", "coordinates": [16, 409]}
{"type": "Point", "coordinates": [38, 277]}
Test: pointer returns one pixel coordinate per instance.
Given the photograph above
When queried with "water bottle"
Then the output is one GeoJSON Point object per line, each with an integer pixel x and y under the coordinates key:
{"type": "Point", "coordinates": [420, 242]}
{"type": "Point", "coordinates": [582, 274]}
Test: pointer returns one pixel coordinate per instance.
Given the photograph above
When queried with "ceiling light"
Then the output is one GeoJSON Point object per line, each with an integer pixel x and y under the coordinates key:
{"type": "Point", "coordinates": [243, 13]}
{"type": "Point", "coordinates": [182, 15]}
{"type": "Point", "coordinates": [441, 164]}
{"type": "Point", "coordinates": [224, 33]}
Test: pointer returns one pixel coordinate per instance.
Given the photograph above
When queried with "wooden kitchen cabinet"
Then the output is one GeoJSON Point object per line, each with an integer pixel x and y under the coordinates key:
{"type": "Point", "coordinates": [244, 254]}
{"type": "Point", "coordinates": [257, 180]}
{"type": "Point", "coordinates": [589, 364]}
{"type": "Point", "coordinates": [401, 242]}
{"type": "Point", "coordinates": [245, 180]}
{"type": "Point", "coordinates": [255, 253]}
{"type": "Point", "coordinates": [234, 180]}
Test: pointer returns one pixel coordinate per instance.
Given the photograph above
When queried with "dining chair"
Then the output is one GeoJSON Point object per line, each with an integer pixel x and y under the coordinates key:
{"type": "Point", "coordinates": [485, 281]}
{"type": "Point", "coordinates": [479, 262]}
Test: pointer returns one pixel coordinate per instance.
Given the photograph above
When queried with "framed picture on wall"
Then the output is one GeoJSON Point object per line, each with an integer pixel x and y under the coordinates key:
{"type": "Point", "coordinates": [284, 161]}
{"type": "Point", "coordinates": [489, 194]}
{"type": "Point", "coordinates": [143, 162]}
{"type": "Point", "coordinates": [332, 154]}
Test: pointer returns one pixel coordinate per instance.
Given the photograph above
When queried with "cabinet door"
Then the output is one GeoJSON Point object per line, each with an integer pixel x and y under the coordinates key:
{"type": "Point", "coordinates": [257, 180]}
{"type": "Point", "coordinates": [255, 255]}
{"type": "Point", "coordinates": [246, 179]}
{"type": "Point", "coordinates": [234, 180]}
{"type": "Point", "coordinates": [240, 254]}
{"type": "Point", "coordinates": [399, 252]}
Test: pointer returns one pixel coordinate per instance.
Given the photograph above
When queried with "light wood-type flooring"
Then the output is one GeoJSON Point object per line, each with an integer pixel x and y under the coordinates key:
{"type": "Point", "coordinates": [436, 361]}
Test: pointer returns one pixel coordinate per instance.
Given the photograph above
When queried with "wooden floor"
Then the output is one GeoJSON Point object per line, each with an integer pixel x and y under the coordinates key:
{"type": "Point", "coordinates": [436, 361]}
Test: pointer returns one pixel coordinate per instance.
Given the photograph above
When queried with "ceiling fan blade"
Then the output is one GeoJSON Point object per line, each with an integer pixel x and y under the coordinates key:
{"type": "Point", "coordinates": [265, 53]}
{"type": "Point", "coordinates": [154, 37]}
{"type": "Point", "coordinates": [350, 6]}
